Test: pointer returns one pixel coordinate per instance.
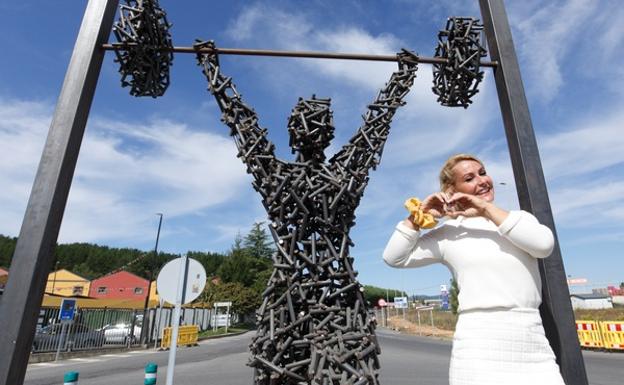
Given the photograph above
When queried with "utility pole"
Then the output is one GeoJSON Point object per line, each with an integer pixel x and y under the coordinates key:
{"type": "Point", "coordinates": [150, 277]}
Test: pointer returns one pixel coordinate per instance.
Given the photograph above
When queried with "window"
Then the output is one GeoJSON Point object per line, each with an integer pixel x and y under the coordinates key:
{"type": "Point", "coordinates": [102, 290]}
{"type": "Point", "coordinates": [77, 290]}
{"type": "Point", "coordinates": [138, 290]}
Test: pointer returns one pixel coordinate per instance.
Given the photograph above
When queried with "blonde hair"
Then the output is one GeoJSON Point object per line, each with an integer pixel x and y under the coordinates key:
{"type": "Point", "coordinates": [447, 176]}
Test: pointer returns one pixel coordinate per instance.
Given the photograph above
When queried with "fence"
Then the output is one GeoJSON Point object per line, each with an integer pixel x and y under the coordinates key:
{"type": "Point", "coordinates": [109, 328]}
{"type": "Point", "coordinates": [601, 334]}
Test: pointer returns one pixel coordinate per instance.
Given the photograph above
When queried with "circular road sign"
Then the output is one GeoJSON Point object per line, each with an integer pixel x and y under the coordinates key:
{"type": "Point", "coordinates": [167, 281]}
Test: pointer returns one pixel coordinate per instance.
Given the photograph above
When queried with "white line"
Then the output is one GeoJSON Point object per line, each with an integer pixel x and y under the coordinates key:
{"type": "Point", "coordinates": [85, 359]}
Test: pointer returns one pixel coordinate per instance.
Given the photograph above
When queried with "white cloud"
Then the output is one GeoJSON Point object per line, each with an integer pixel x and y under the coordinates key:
{"type": "Point", "coordinates": [553, 40]}
{"type": "Point", "coordinates": [593, 145]}
{"type": "Point", "coordinates": [126, 172]}
{"type": "Point", "coordinates": [589, 206]}
{"type": "Point", "coordinates": [293, 31]}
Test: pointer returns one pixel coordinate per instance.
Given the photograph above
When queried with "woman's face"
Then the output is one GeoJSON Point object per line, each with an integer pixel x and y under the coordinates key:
{"type": "Point", "coordinates": [471, 178]}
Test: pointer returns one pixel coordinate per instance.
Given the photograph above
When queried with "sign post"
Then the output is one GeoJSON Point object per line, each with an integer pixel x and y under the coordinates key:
{"type": "Point", "coordinates": [444, 296]}
{"type": "Point", "coordinates": [226, 305]}
{"type": "Point", "coordinates": [66, 316]}
{"type": "Point", "coordinates": [179, 282]}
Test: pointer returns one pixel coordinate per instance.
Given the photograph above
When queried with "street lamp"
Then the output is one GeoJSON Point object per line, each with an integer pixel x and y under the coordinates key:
{"type": "Point", "coordinates": [150, 277]}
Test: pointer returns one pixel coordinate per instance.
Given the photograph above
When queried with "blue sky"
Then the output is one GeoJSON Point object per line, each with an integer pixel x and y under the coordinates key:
{"type": "Point", "coordinates": [172, 154]}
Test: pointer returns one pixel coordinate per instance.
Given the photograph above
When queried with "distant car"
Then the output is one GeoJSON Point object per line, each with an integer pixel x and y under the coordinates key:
{"type": "Point", "coordinates": [120, 334]}
{"type": "Point", "coordinates": [76, 336]}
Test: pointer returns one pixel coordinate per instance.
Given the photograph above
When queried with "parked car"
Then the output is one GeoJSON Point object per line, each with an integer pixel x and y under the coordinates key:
{"type": "Point", "coordinates": [76, 336]}
{"type": "Point", "coordinates": [120, 334]}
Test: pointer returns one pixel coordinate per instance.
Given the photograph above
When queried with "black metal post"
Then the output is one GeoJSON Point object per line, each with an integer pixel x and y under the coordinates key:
{"type": "Point", "coordinates": [556, 309]}
{"type": "Point", "coordinates": [33, 255]}
{"type": "Point", "coordinates": [145, 325]}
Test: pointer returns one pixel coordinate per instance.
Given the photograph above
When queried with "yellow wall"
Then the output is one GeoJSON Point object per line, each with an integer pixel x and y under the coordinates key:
{"type": "Point", "coordinates": [153, 298]}
{"type": "Point", "coordinates": [62, 282]}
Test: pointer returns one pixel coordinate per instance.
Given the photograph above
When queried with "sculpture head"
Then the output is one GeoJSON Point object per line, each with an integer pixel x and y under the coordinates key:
{"type": "Point", "coordinates": [311, 129]}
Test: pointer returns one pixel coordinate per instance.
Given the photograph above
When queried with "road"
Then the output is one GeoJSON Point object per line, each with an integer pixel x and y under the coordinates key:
{"type": "Point", "coordinates": [405, 360]}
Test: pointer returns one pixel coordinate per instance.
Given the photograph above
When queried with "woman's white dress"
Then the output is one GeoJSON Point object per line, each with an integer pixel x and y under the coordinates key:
{"type": "Point", "coordinates": [499, 337]}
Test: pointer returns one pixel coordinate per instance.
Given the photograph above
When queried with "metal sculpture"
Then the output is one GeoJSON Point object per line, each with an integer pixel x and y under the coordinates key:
{"type": "Point", "coordinates": [313, 324]}
{"type": "Point", "coordinates": [143, 31]}
{"type": "Point", "coordinates": [456, 81]}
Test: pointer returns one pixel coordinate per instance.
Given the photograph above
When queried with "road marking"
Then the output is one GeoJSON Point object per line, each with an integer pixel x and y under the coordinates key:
{"type": "Point", "coordinates": [116, 355]}
{"type": "Point", "coordinates": [85, 359]}
{"type": "Point", "coordinates": [47, 364]}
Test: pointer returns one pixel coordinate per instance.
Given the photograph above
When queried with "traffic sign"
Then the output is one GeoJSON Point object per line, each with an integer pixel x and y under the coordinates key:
{"type": "Point", "coordinates": [167, 281]}
{"type": "Point", "coordinates": [382, 302]}
{"type": "Point", "coordinates": [68, 309]}
{"type": "Point", "coordinates": [400, 302]}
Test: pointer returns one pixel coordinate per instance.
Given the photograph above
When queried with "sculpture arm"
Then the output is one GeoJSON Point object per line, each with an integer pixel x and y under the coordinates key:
{"type": "Point", "coordinates": [254, 148]}
{"type": "Point", "coordinates": [365, 148]}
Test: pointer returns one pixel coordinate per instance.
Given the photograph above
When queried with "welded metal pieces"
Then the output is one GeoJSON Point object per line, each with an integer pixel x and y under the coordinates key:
{"type": "Point", "coordinates": [456, 81]}
{"type": "Point", "coordinates": [313, 324]}
{"type": "Point", "coordinates": [143, 31]}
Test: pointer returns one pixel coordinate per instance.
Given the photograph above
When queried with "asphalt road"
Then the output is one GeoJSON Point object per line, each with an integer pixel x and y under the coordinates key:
{"type": "Point", "coordinates": [405, 360]}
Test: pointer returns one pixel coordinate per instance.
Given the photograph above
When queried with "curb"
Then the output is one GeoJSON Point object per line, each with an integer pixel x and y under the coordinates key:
{"type": "Point", "coordinates": [50, 356]}
{"type": "Point", "coordinates": [222, 335]}
{"type": "Point", "coordinates": [161, 349]}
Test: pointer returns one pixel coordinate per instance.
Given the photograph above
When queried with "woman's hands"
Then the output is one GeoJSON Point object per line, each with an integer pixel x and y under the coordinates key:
{"type": "Point", "coordinates": [469, 205]}
{"type": "Point", "coordinates": [440, 204]}
{"type": "Point", "coordinates": [434, 204]}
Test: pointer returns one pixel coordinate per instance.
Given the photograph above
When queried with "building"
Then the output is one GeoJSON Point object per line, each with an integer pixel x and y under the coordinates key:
{"type": "Point", "coordinates": [591, 301]}
{"type": "Point", "coordinates": [119, 285]}
{"type": "Point", "coordinates": [67, 284]}
{"type": "Point", "coordinates": [4, 277]}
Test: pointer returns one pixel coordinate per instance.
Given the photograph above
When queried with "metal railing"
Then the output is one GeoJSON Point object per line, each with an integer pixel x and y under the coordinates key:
{"type": "Point", "coordinates": [100, 328]}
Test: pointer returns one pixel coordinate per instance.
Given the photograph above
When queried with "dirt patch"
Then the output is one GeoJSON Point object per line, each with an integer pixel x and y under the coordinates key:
{"type": "Point", "coordinates": [404, 326]}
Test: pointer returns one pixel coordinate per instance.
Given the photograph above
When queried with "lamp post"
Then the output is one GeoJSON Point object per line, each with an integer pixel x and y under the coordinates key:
{"type": "Point", "coordinates": [150, 276]}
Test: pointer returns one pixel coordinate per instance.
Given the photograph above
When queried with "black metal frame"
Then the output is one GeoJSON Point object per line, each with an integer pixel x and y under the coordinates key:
{"type": "Point", "coordinates": [34, 251]}
{"type": "Point", "coordinates": [33, 255]}
{"type": "Point", "coordinates": [556, 309]}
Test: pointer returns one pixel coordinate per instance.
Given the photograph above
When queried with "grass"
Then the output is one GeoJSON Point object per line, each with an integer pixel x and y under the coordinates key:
{"type": "Point", "coordinates": [615, 314]}
{"type": "Point", "coordinates": [446, 320]}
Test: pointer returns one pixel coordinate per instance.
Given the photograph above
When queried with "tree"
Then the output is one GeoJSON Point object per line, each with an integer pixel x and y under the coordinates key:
{"type": "Point", "coordinates": [453, 294]}
{"type": "Point", "coordinates": [244, 300]}
{"type": "Point", "coordinates": [7, 248]}
{"type": "Point", "coordinates": [258, 243]}
{"type": "Point", "coordinates": [210, 261]}
{"type": "Point", "coordinates": [243, 268]}
{"type": "Point", "coordinates": [372, 294]}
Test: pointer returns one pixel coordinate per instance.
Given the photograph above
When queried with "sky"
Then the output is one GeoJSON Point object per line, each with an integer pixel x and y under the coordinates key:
{"type": "Point", "coordinates": [172, 155]}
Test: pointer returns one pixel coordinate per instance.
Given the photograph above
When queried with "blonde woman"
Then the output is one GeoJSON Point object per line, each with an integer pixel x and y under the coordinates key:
{"type": "Point", "coordinates": [492, 253]}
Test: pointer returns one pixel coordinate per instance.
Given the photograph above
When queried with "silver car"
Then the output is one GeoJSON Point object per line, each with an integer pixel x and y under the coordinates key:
{"type": "Point", "coordinates": [120, 334]}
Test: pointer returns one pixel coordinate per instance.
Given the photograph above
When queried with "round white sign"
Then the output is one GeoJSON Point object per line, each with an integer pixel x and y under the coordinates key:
{"type": "Point", "coordinates": [168, 278]}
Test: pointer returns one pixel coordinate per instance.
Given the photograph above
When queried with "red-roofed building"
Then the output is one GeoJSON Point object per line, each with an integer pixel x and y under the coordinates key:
{"type": "Point", "coordinates": [119, 285]}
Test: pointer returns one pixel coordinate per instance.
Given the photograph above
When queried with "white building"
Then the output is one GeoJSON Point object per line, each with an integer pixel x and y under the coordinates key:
{"type": "Point", "coordinates": [591, 301]}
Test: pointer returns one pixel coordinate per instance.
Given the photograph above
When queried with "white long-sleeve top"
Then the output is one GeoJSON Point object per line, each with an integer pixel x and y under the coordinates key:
{"type": "Point", "coordinates": [495, 266]}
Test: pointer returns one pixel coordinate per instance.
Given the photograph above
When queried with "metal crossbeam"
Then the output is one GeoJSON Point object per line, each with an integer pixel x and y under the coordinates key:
{"type": "Point", "coordinates": [294, 54]}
